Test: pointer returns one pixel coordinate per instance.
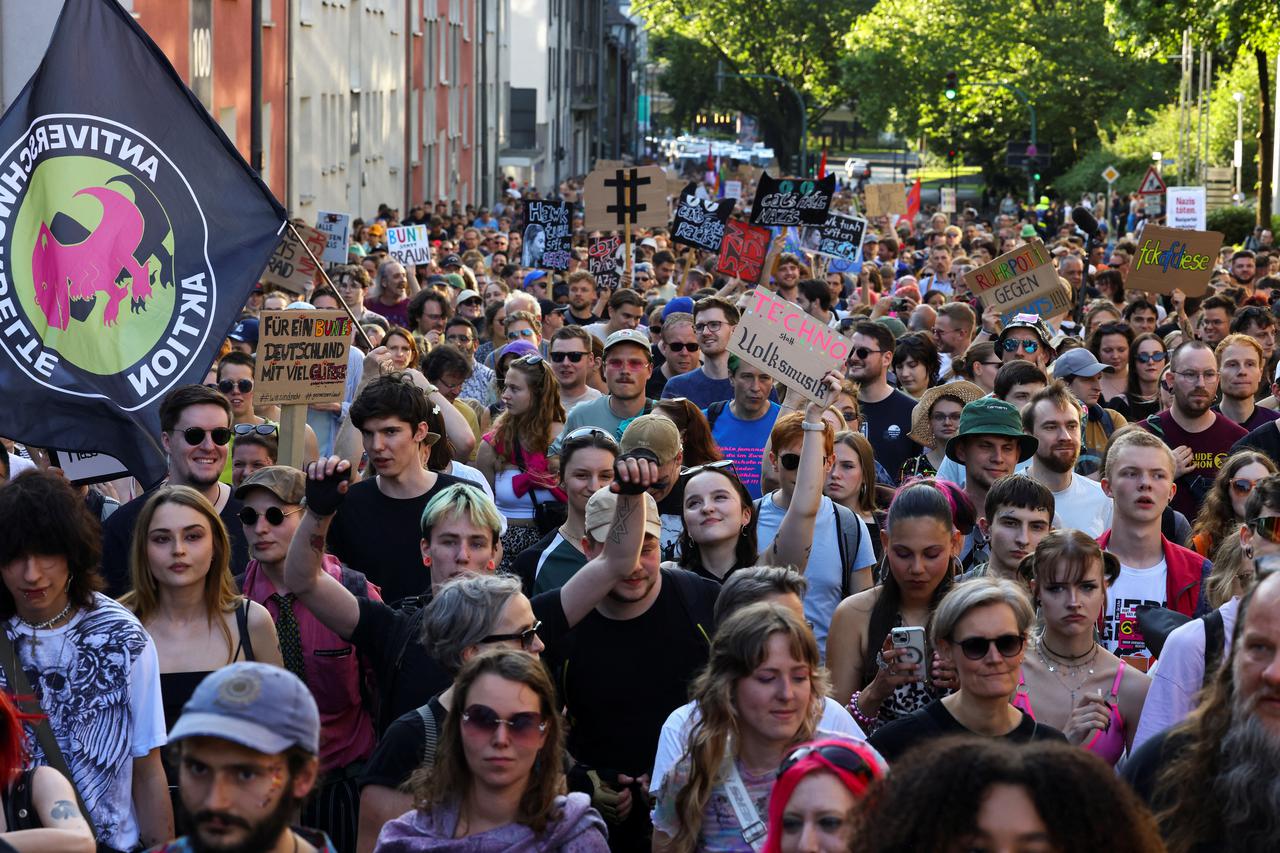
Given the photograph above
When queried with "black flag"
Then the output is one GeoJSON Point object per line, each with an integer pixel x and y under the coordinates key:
{"type": "Point", "coordinates": [131, 233]}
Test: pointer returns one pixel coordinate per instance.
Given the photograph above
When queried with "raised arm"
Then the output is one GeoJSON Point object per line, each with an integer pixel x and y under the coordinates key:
{"type": "Point", "coordinates": [335, 607]}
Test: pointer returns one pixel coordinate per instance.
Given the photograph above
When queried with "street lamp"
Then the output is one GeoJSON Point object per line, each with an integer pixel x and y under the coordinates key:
{"type": "Point", "coordinates": [1238, 156]}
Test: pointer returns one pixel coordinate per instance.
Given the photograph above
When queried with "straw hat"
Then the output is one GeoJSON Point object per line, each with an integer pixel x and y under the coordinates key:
{"type": "Point", "coordinates": [921, 429]}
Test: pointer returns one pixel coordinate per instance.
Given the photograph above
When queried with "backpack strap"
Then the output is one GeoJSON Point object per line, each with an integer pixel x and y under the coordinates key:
{"type": "Point", "coordinates": [849, 541]}
{"type": "Point", "coordinates": [431, 734]}
{"type": "Point", "coordinates": [713, 412]}
{"type": "Point", "coordinates": [1214, 637]}
{"type": "Point", "coordinates": [686, 589]}
{"type": "Point", "coordinates": [242, 626]}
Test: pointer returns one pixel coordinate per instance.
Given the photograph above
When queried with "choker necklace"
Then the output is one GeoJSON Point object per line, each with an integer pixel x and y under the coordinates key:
{"type": "Point", "coordinates": [48, 623]}
{"type": "Point", "coordinates": [1067, 660]}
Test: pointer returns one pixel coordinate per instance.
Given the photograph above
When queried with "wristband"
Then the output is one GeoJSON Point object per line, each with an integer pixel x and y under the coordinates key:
{"type": "Point", "coordinates": [805, 426]}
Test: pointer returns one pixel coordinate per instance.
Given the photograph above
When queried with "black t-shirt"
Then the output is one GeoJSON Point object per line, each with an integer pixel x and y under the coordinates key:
{"type": "Point", "coordinates": [620, 679]}
{"type": "Point", "coordinates": [886, 425]}
{"type": "Point", "coordinates": [1264, 439]}
{"type": "Point", "coordinates": [571, 320]}
{"type": "Point", "coordinates": [381, 537]}
{"type": "Point", "coordinates": [401, 750]}
{"type": "Point", "coordinates": [407, 675]}
{"type": "Point", "coordinates": [117, 534]}
{"type": "Point", "coordinates": [934, 721]}
{"type": "Point", "coordinates": [658, 381]}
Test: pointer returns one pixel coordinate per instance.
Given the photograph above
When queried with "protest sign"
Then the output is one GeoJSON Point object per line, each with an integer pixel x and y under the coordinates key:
{"type": "Point", "coordinates": [742, 251]}
{"type": "Point", "coordinates": [617, 197]}
{"type": "Point", "coordinates": [700, 222]}
{"type": "Point", "coordinates": [335, 226]}
{"type": "Point", "coordinates": [886, 199]}
{"type": "Point", "coordinates": [290, 267]}
{"type": "Point", "coordinates": [410, 244]}
{"type": "Point", "coordinates": [783, 340]}
{"type": "Point", "coordinates": [1169, 258]}
{"type": "Point", "coordinates": [947, 200]}
{"type": "Point", "coordinates": [84, 468]}
{"type": "Point", "coordinates": [603, 259]}
{"type": "Point", "coordinates": [1186, 208]}
{"type": "Point", "coordinates": [839, 237]}
{"type": "Point", "coordinates": [733, 189]}
{"type": "Point", "coordinates": [547, 243]}
{"type": "Point", "coordinates": [792, 201]}
{"type": "Point", "coordinates": [302, 357]}
{"type": "Point", "coordinates": [1022, 281]}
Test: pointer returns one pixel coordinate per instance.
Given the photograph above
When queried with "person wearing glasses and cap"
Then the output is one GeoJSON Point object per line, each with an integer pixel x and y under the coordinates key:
{"type": "Point", "coordinates": [1080, 370]}
{"type": "Point", "coordinates": [628, 364]}
{"type": "Point", "coordinates": [247, 743]}
{"type": "Point", "coordinates": [235, 382]}
{"type": "Point", "coordinates": [1025, 337]}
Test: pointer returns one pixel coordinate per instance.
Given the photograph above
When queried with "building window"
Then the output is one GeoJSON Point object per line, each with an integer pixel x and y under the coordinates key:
{"type": "Point", "coordinates": [307, 160]}
{"type": "Point", "coordinates": [227, 121]}
{"type": "Point", "coordinates": [523, 122]}
{"type": "Point", "coordinates": [306, 12]}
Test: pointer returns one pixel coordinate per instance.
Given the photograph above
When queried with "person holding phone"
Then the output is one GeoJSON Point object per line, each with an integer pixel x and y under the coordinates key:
{"type": "Point", "coordinates": [980, 628]}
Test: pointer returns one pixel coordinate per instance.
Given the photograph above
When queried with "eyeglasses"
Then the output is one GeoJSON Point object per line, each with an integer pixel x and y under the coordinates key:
{"type": "Point", "coordinates": [1010, 345]}
{"type": "Point", "coordinates": [259, 429]}
{"type": "Point", "coordinates": [1193, 375]}
{"type": "Point", "coordinates": [1242, 487]}
{"type": "Point", "coordinates": [712, 326]}
{"type": "Point", "coordinates": [841, 756]}
{"type": "Point", "coordinates": [522, 333]}
{"type": "Point", "coordinates": [863, 352]}
{"type": "Point", "coordinates": [475, 300]}
{"type": "Point", "coordinates": [976, 648]}
{"type": "Point", "coordinates": [226, 386]}
{"type": "Point", "coordinates": [710, 466]}
{"type": "Point", "coordinates": [531, 359]}
{"type": "Point", "coordinates": [458, 339]}
{"type": "Point", "coordinates": [526, 637]}
{"type": "Point", "coordinates": [575, 357]}
{"type": "Point", "coordinates": [992, 363]}
{"type": "Point", "coordinates": [588, 432]}
{"type": "Point", "coordinates": [483, 720]}
{"type": "Point", "coordinates": [1120, 328]}
{"type": "Point", "coordinates": [636, 364]}
{"type": "Point", "coordinates": [274, 515]}
{"type": "Point", "coordinates": [945, 417]}
{"type": "Point", "coordinates": [1268, 528]}
{"type": "Point", "coordinates": [1148, 357]}
{"type": "Point", "coordinates": [679, 347]}
{"type": "Point", "coordinates": [194, 436]}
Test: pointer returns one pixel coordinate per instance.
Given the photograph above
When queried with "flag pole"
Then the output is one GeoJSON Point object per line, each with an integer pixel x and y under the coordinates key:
{"type": "Point", "coordinates": [303, 243]}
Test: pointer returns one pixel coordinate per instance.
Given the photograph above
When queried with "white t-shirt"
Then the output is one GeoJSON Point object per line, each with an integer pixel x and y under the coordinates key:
{"type": "Point", "coordinates": [675, 735]}
{"type": "Point", "coordinates": [824, 570]}
{"type": "Point", "coordinates": [466, 472]}
{"type": "Point", "coordinates": [1083, 506]}
{"type": "Point", "coordinates": [1134, 587]}
{"type": "Point", "coordinates": [98, 680]}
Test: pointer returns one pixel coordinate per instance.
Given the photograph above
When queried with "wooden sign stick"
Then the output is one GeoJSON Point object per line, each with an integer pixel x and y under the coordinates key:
{"type": "Point", "coordinates": [293, 435]}
{"type": "Point", "coordinates": [354, 320]}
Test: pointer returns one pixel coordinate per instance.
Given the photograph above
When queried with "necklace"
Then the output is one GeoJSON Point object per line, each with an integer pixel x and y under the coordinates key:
{"type": "Point", "coordinates": [1067, 658]}
{"type": "Point", "coordinates": [48, 623]}
{"type": "Point", "coordinates": [1074, 669]}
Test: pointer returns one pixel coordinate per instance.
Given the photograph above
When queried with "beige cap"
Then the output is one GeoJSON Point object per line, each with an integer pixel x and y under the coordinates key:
{"type": "Point", "coordinates": [602, 507]}
{"type": "Point", "coordinates": [287, 484]}
{"type": "Point", "coordinates": [652, 432]}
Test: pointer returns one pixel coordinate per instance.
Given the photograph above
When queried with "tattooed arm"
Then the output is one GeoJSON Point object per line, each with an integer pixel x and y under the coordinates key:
{"type": "Point", "coordinates": [66, 829]}
{"type": "Point", "coordinates": [335, 607]}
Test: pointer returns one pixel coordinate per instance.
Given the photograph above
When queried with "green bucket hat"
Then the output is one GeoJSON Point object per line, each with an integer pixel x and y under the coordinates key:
{"type": "Point", "coordinates": [990, 416]}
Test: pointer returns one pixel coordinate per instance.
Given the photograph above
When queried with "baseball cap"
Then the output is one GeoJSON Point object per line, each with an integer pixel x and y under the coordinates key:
{"type": "Point", "coordinates": [1079, 362]}
{"type": "Point", "coordinates": [649, 242]}
{"type": "Point", "coordinates": [546, 306]}
{"type": "Point", "coordinates": [603, 505]}
{"type": "Point", "coordinates": [300, 306]}
{"type": "Point", "coordinates": [263, 707]}
{"type": "Point", "coordinates": [464, 296]}
{"type": "Point", "coordinates": [628, 336]}
{"type": "Point", "coordinates": [1028, 230]}
{"type": "Point", "coordinates": [531, 277]}
{"type": "Point", "coordinates": [992, 416]}
{"type": "Point", "coordinates": [1027, 321]}
{"type": "Point", "coordinates": [245, 331]}
{"type": "Point", "coordinates": [652, 432]}
{"type": "Point", "coordinates": [681, 304]}
{"type": "Point", "coordinates": [894, 325]}
{"type": "Point", "coordinates": [517, 348]}
{"type": "Point", "coordinates": [288, 484]}
{"type": "Point", "coordinates": [451, 261]}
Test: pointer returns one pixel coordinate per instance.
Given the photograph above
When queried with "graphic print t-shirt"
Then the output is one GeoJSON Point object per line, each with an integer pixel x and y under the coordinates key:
{"type": "Point", "coordinates": [98, 680]}
{"type": "Point", "coordinates": [1134, 587]}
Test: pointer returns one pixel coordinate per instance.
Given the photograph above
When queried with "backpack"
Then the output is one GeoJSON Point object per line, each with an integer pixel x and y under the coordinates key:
{"type": "Point", "coordinates": [713, 412]}
{"type": "Point", "coordinates": [848, 540]}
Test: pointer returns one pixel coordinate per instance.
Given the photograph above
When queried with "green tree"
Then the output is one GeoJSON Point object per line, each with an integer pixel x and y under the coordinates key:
{"type": "Point", "coordinates": [1148, 27]}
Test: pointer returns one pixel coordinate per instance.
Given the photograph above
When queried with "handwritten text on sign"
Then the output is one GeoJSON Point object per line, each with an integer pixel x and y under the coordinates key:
{"type": "Point", "coordinates": [302, 357]}
{"type": "Point", "coordinates": [1018, 281]}
{"type": "Point", "coordinates": [290, 267]}
{"type": "Point", "coordinates": [410, 244]}
{"type": "Point", "coordinates": [783, 340]}
{"type": "Point", "coordinates": [603, 260]}
{"type": "Point", "coordinates": [792, 201]}
{"type": "Point", "coordinates": [742, 251]}
{"type": "Point", "coordinates": [1170, 258]}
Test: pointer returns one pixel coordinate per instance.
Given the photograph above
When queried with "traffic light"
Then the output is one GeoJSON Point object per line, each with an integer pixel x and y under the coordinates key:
{"type": "Point", "coordinates": [953, 155]}
{"type": "Point", "coordinates": [953, 85]}
{"type": "Point", "coordinates": [1035, 176]}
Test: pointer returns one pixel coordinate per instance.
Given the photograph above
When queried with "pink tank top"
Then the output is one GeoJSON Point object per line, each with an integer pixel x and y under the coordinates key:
{"type": "Point", "coordinates": [1108, 743]}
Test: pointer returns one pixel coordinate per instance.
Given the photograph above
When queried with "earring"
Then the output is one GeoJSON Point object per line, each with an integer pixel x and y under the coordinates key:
{"type": "Point", "coordinates": [426, 561]}
{"type": "Point", "coordinates": [1248, 552]}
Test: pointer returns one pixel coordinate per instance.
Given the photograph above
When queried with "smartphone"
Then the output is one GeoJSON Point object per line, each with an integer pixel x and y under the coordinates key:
{"type": "Point", "coordinates": [911, 639]}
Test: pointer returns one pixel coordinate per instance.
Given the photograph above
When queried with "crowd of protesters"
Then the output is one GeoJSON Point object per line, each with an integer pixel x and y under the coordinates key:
{"type": "Point", "coordinates": [561, 572]}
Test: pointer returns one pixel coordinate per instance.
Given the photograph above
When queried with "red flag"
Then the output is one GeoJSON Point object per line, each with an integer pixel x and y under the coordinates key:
{"type": "Point", "coordinates": [913, 200]}
{"type": "Point", "coordinates": [711, 160]}
{"type": "Point", "coordinates": [822, 165]}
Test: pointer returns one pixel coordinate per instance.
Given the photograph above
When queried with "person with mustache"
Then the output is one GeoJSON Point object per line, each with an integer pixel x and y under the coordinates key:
{"type": "Point", "coordinates": [1054, 416]}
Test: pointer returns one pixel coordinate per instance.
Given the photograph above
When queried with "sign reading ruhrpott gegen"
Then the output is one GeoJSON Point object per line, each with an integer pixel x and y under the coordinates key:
{"type": "Point", "coordinates": [302, 357]}
{"type": "Point", "coordinates": [786, 342]}
{"type": "Point", "coordinates": [1022, 281]}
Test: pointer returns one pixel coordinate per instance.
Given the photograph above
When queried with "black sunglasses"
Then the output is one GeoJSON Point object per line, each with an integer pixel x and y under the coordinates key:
{"type": "Point", "coordinates": [790, 461]}
{"type": "Point", "coordinates": [710, 466]}
{"type": "Point", "coordinates": [841, 756]}
{"type": "Point", "coordinates": [976, 648]}
{"type": "Point", "coordinates": [1268, 528]}
{"type": "Point", "coordinates": [575, 357]}
{"type": "Point", "coordinates": [194, 436]}
{"type": "Point", "coordinates": [274, 515]}
{"type": "Point", "coordinates": [530, 360]}
{"type": "Point", "coordinates": [863, 352]}
{"type": "Point", "coordinates": [226, 386]}
{"type": "Point", "coordinates": [260, 429]}
{"type": "Point", "coordinates": [1011, 345]}
{"type": "Point", "coordinates": [526, 637]}
{"type": "Point", "coordinates": [1148, 357]}
{"type": "Point", "coordinates": [679, 347]}
{"type": "Point", "coordinates": [588, 432]}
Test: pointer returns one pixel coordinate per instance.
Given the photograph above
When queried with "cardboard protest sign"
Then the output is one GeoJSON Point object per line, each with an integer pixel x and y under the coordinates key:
{"type": "Point", "coordinates": [1021, 281]}
{"type": "Point", "coordinates": [700, 222]}
{"type": "Point", "coordinates": [302, 357]}
{"type": "Point", "coordinates": [1170, 258]}
{"type": "Point", "coordinates": [1186, 208]}
{"type": "Point", "coordinates": [337, 227]}
{"type": "Point", "coordinates": [886, 199]}
{"type": "Point", "coordinates": [733, 189]}
{"type": "Point", "coordinates": [547, 243]}
{"type": "Point", "coordinates": [290, 267]}
{"type": "Point", "coordinates": [784, 341]}
{"type": "Point", "coordinates": [839, 237]}
{"type": "Point", "coordinates": [84, 468]}
{"type": "Point", "coordinates": [616, 195]}
{"type": "Point", "coordinates": [410, 244]}
{"type": "Point", "coordinates": [947, 200]}
{"type": "Point", "coordinates": [792, 201]}
{"type": "Point", "coordinates": [743, 250]}
{"type": "Point", "coordinates": [604, 258]}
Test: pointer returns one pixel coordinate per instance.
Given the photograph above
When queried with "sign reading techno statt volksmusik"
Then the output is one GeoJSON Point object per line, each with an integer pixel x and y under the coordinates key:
{"type": "Point", "coordinates": [786, 342]}
{"type": "Point", "coordinates": [1023, 281]}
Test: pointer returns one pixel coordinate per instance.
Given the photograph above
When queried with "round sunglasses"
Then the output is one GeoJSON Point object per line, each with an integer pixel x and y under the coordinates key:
{"type": "Point", "coordinates": [255, 429]}
{"type": "Point", "coordinates": [194, 436]}
{"type": "Point", "coordinates": [244, 386]}
{"type": "Point", "coordinates": [273, 514]}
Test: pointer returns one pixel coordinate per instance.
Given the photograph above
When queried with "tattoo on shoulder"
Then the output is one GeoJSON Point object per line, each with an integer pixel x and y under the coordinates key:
{"type": "Point", "coordinates": [64, 810]}
{"type": "Point", "coordinates": [626, 507]}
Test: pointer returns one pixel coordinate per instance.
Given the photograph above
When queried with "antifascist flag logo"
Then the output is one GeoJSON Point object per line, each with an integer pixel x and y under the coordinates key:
{"type": "Point", "coordinates": [131, 232]}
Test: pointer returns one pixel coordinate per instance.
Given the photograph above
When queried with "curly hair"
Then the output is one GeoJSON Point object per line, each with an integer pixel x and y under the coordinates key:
{"type": "Point", "coordinates": [740, 645]}
{"type": "Point", "coordinates": [532, 428]}
{"type": "Point", "coordinates": [1216, 519]}
{"type": "Point", "coordinates": [695, 435]}
{"type": "Point", "coordinates": [1081, 802]}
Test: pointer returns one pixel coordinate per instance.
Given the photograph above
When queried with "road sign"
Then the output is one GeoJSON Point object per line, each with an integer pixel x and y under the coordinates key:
{"type": "Point", "coordinates": [1110, 174]}
{"type": "Point", "coordinates": [1024, 155]}
{"type": "Point", "coordinates": [1152, 183]}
